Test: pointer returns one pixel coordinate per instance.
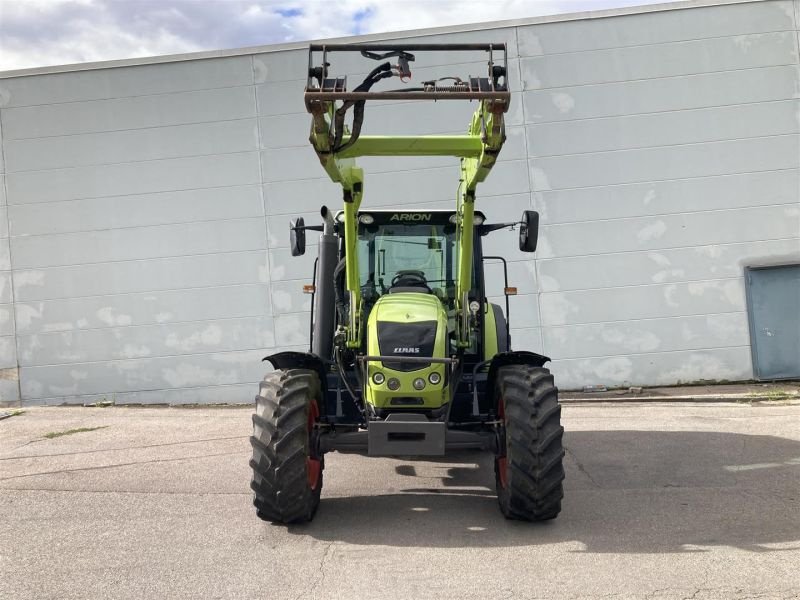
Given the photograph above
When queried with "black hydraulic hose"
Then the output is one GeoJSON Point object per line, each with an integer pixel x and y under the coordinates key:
{"type": "Point", "coordinates": [338, 288]}
{"type": "Point", "coordinates": [380, 72]}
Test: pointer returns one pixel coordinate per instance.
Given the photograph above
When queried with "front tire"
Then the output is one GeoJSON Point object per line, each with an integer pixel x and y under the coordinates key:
{"type": "Point", "coordinates": [528, 469]}
{"type": "Point", "coordinates": [287, 472]}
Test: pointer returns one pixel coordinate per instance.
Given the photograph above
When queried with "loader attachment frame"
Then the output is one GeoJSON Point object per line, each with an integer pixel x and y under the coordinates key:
{"type": "Point", "coordinates": [337, 145]}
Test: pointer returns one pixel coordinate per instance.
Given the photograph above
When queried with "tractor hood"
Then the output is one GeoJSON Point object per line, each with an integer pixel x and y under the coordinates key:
{"type": "Point", "coordinates": [408, 324]}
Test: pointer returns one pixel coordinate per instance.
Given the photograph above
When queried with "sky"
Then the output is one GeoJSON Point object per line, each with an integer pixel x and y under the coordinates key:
{"type": "Point", "coordinates": [36, 33]}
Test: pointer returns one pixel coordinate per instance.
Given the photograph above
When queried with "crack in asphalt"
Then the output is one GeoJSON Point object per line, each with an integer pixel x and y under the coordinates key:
{"type": "Point", "coordinates": [128, 464]}
{"type": "Point", "coordinates": [236, 437]}
{"type": "Point", "coordinates": [580, 466]}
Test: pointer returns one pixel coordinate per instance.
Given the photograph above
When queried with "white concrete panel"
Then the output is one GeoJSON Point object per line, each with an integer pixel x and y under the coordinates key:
{"type": "Point", "coordinates": [670, 231]}
{"type": "Point", "coordinates": [524, 311]}
{"type": "Point", "coordinates": [208, 270]}
{"type": "Point", "coordinates": [288, 296]}
{"type": "Point", "coordinates": [6, 319]}
{"type": "Point", "coordinates": [660, 60]}
{"type": "Point", "coordinates": [162, 110]}
{"type": "Point", "coordinates": [283, 266]}
{"type": "Point", "coordinates": [527, 339]}
{"type": "Point", "coordinates": [5, 287]}
{"type": "Point", "coordinates": [8, 352]}
{"type": "Point", "coordinates": [144, 308]}
{"type": "Point", "coordinates": [9, 388]}
{"type": "Point", "coordinates": [655, 27]}
{"type": "Point", "coordinates": [139, 243]}
{"type": "Point", "coordinates": [119, 82]}
{"type": "Point", "coordinates": [521, 274]}
{"type": "Point", "coordinates": [136, 210]}
{"type": "Point", "coordinates": [668, 368]}
{"type": "Point", "coordinates": [3, 224]}
{"type": "Point", "coordinates": [667, 197]}
{"type": "Point", "coordinates": [657, 95]}
{"type": "Point", "coordinates": [282, 65]}
{"type": "Point", "coordinates": [649, 336]}
{"type": "Point", "coordinates": [643, 302]}
{"type": "Point", "coordinates": [696, 263]}
{"type": "Point", "coordinates": [202, 139]}
{"type": "Point", "coordinates": [3, 190]}
{"type": "Point", "coordinates": [283, 131]}
{"type": "Point", "coordinates": [5, 258]}
{"type": "Point", "coordinates": [146, 341]}
{"type": "Point", "coordinates": [292, 329]}
{"type": "Point", "coordinates": [281, 97]}
{"type": "Point", "coordinates": [658, 164]}
{"type": "Point", "coordinates": [302, 196]}
{"type": "Point", "coordinates": [133, 178]}
{"type": "Point", "coordinates": [663, 129]}
{"type": "Point", "coordinates": [119, 376]}
{"type": "Point", "coordinates": [2, 159]}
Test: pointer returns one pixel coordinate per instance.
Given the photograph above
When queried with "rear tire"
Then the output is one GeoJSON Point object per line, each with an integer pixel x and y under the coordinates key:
{"type": "Point", "coordinates": [287, 473]}
{"type": "Point", "coordinates": [528, 470]}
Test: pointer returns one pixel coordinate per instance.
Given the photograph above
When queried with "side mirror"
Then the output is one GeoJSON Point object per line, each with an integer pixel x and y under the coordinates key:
{"type": "Point", "coordinates": [297, 236]}
{"type": "Point", "coordinates": [529, 231]}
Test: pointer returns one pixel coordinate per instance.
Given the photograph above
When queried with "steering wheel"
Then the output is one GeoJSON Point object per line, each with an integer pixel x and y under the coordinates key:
{"type": "Point", "coordinates": [410, 278]}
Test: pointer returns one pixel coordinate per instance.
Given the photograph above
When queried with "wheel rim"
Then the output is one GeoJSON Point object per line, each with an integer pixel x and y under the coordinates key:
{"type": "Point", "coordinates": [502, 461]}
{"type": "Point", "coordinates": [313, 465]}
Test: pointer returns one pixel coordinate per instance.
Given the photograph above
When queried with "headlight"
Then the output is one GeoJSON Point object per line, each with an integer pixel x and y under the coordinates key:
{"type": "Point", "coordinates": [393, 384]}
{"type": "Point", "coordinates": [419, 383]}
{"type": "Point", "coordinates": [434, 378]}
{"type": "Point", "coordinates": [378, 378]}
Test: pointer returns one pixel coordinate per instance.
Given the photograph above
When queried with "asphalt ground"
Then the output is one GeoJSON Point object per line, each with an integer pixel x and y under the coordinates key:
{"type": "Point", "coordinates": [662, 501]}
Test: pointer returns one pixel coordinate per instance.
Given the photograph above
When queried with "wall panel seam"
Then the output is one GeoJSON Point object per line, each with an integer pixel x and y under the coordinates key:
{"type": "Point", "coordinates": [531, 198]}
{"type": "Point", "coordinates": [188, 355]}
{"type": "Point", "coordinates": [261, 190]}
{"type": "Point", "coordinates": [126, 129]}
{"type": "Point", "coordinates": [254, 150]}
{"type": "Point", "coordinates": [697, 74]}
{"type": "Point", "coordinates": [657, 112]}
{"type": "Point", "coordinates": [648, 181]}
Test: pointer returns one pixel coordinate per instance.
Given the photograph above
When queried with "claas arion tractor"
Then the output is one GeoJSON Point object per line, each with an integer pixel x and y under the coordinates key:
{"type": "Point", "coordinates": [407, 356]}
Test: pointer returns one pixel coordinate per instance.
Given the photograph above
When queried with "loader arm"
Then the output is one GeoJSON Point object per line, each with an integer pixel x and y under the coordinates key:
{"type": "Point", "coordinates": [337, 145]}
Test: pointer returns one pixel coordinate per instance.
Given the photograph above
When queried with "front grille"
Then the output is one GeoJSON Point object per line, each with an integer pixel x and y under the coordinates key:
{"type": "Point", "coordinates": [405, 401]}
{"type": "Point", "coordinates": [406, 339]}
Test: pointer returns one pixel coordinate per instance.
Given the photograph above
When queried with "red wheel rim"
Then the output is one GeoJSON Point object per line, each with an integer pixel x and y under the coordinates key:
{"type": "Point", "coordinates": [502, 461]}
{"type": "Point", "coordinates": [313, 465]}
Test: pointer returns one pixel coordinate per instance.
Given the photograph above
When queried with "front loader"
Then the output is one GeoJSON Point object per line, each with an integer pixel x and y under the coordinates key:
{"type": "Point", "coordinates": [408, 357]}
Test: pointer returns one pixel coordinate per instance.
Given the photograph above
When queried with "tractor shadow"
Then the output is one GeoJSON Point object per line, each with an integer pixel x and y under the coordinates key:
{"type": "Point", "coordinates": [625, 492]}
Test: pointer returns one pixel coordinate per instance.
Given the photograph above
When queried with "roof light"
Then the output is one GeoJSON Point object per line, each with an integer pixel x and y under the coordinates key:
{"type": "Point", "coordinates": [366, 219]}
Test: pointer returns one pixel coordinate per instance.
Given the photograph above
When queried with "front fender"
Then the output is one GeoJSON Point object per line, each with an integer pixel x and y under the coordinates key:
{"type": "Point", "coordinates": [300, 360]}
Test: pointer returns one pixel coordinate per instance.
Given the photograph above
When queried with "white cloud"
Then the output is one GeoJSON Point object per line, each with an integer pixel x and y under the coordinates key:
{"type": "Point", "coordinates": [47, 32]}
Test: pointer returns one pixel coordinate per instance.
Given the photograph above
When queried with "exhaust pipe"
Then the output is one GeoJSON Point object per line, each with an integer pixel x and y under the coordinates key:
{"type": "Point", "coordinates": [324, 299]}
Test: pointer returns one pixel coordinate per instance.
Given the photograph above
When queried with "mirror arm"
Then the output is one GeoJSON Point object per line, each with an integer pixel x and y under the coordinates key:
{"type": "Point", "coordinates": [490, 227]}
{"type": "Point", "coordinates": [308, 228]}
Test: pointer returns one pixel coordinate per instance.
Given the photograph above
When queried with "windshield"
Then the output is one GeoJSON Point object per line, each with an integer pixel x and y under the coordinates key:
{"type": "Point", "coordinates": [387, 251]}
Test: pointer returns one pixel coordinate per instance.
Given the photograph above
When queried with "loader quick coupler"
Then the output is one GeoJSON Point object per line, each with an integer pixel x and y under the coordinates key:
{"type": "Point", "coordinates": [407, 355]}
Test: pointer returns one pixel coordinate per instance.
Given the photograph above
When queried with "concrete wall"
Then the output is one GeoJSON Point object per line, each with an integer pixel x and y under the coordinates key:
{"type": "Point", "coordinates": [148, 205]}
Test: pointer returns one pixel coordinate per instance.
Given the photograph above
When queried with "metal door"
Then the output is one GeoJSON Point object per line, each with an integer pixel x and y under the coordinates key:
{"type": "Point", "coordinates": [773, 305]}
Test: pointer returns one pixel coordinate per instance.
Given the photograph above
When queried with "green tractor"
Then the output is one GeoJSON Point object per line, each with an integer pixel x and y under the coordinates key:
{"type": "Point", "coordinates": [407, 356]}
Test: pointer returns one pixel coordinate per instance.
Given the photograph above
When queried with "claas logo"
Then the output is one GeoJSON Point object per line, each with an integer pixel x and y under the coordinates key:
{"type": "Point", "coordinates": [411, 217]}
